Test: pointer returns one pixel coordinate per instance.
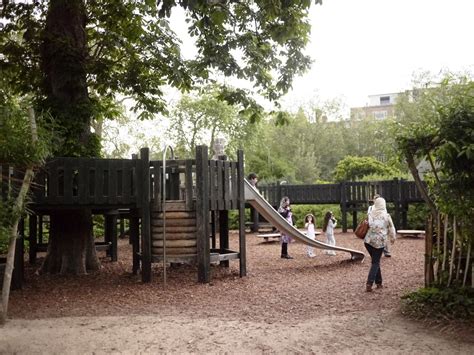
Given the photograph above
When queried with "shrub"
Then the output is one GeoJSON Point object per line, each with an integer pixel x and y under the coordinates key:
{"type": "Point", "coordinates": [440, 303]}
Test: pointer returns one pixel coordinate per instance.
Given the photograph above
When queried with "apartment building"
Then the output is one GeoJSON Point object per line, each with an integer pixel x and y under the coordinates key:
{"type": "Point", "coordinates": [379, 107]}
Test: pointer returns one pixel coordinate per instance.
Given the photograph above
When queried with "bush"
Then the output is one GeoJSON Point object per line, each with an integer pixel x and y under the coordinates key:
{"type": "Point", "coordinates": [417, 215]}
{"type": "Point", "coordinates": [440, 303]}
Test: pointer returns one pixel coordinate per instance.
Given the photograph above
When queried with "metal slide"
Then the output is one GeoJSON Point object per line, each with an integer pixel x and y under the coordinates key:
{"type": "Point", "coordinates": [253, 197]}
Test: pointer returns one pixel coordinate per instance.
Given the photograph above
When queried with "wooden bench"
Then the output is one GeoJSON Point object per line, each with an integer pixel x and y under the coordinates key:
{"type": "Point", "coordinates": [266, 236]}
{"type": "Point", "coordinates": [411, 233]}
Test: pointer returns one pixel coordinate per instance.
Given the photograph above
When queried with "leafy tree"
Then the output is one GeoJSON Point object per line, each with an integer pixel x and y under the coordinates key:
{"type": "Point", "coordinates": [353, 168]}
{"type": "Point", "coordinates": [201, 119]}
{"type": "Point", "coordinates": [75, 57]}
{"type": "Point", "coordinates": [435, 123]}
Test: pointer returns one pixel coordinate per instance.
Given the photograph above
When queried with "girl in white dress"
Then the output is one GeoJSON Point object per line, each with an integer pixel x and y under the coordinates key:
{"type": "Point", "coordinates": [310, 225]}
{"type": "Point", "coordinates": [329, 224]}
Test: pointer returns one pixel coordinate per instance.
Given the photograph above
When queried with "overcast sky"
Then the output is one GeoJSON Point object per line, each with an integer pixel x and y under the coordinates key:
{"type": "Point", "coordinates": [367, 47]}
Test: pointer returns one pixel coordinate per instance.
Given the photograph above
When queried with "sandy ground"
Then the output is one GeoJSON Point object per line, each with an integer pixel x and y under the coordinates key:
{"type": "Point", "coordinates": [354, 333]}
{"type": "Point", "coordinates": [299, 306]}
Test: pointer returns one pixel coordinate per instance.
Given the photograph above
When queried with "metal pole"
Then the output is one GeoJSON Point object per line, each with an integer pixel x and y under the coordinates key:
{"type": "Point", "coordinates": [164, 216]}
{"type": "Point", "coordinates": [164, 210]}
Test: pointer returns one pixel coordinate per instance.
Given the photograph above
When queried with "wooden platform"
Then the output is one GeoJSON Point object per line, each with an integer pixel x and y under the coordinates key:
{"type": "Point", "coordinates": [411, 233]}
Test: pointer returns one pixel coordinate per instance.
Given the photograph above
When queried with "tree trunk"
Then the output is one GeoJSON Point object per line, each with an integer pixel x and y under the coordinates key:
{"type": "Point", "coordinates": [71, 244]}
{"type": "Point", "coordinates": [64, 55]}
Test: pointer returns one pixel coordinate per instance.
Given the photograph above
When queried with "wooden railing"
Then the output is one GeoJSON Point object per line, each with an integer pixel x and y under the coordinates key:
{"type": "Point", "coordinates": [88, 182]}
{"type": "Point", "coordinates": [181, 183]}
{"type": "Point", "coordinates": [399, 191]}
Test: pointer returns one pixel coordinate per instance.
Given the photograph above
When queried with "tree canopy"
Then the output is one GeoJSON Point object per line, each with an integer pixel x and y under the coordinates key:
{"type": "Point", "coordinates": [77, 57]}
{"type": "Point", "coordinates": [353, 168]}
{"type": "Point", "coordinates": [201, 119]}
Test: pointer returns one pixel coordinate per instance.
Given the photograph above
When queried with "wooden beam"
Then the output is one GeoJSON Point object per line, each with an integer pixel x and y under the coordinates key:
{"type": "Point", "coordinates": [202, 214]}
{"type": "Point", "coordinates": [241, 198]}
{"type": "Point", "coordinates": [144, 198]}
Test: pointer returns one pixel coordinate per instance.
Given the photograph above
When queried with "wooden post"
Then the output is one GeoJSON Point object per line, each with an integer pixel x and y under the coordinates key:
{"type": "Point", "coordinates": [404, 202]}
{"type": "Point", "coordinates": [343, 203]}
{"type": "Point", "coordinates": [202, 214]}
{"type": "Point", "coordinates": [128, 186]}
{"type": "Point", "coordinates": [428, 252]}
{"type": "Point", "coordinates": [111, 233]}
{"type": "Point", "coordinates": [39, 239]}
{"type": "Point", "coordinates": [135, 240]}
{"type": "Point", "coordinates": [224, 234]}
{"type": "Point", "coordinates": [213, 229]}
{"type": "Point", "coordinates": [32, 238]}
{"type": "Point", "coordinates": [397, 201]}
{"type": "Point", "coordinates": [354, 218]}
{"type": "Point", "coordinates": [241, 198]}
{"type": "Point", "coordinates": [144, 198]}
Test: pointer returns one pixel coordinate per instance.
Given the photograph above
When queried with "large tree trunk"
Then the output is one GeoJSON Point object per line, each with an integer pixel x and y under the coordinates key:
{"type": "Point", "coordinates": [71, 243]}
{"type": "Point", "coordinates": [64, 56]}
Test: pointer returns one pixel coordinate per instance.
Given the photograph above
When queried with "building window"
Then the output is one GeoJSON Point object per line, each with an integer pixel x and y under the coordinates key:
{"type": "Point", "coordinates": [380, 115]}
{"type": "Point", "coordinates": [384, 100]}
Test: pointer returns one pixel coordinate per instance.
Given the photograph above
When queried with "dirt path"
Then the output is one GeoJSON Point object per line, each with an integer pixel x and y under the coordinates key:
{"type": "Point", "coordinates": [355, 333]}
{"type": "Point", "coordinates": [283, 306]}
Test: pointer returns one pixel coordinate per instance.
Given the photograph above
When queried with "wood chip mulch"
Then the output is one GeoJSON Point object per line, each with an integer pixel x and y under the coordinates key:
{"type": "Point", "coordinates": [274, 288]}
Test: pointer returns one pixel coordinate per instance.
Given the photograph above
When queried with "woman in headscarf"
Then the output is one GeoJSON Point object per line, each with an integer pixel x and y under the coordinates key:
{"type": "Point", "coordinates": [381, 231]}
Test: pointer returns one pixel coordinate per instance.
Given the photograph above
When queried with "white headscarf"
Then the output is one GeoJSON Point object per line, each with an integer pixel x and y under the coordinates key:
{"type": "Point", "coordinates": [379, 209]}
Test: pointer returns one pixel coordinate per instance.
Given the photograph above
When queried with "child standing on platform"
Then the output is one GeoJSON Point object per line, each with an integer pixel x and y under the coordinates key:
{"type": "Point", "coordinates": [285, 211]}
{"type": "Point", "coordinates": [310, 225]}
{"type": "Point", "coordinates": [329, 224]}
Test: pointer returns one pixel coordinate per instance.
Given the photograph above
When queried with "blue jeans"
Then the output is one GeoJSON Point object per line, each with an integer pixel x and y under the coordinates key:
{"type": "Point", "coordinates": [375, 275]}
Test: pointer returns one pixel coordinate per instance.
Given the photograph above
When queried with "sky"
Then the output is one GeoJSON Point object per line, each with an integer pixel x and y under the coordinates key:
{"type": "Point", "coordinates": [369, 47]}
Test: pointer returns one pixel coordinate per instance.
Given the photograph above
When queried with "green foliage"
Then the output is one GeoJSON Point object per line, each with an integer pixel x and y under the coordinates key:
{"type": "Point", "coordinates": [436, 123]}
{"type": "Point", "coordinates": [417, 215]}
{"type": "Point", "coordinates": [98, 225]}
{"type": "Point", "coordinates": [7, 217]}
{"type": "Point", "coordinates": [308, 149]}
{"type": "Point", "coordinates": [354, 168]}
{"type": "Point", "coordinates": [440, 303]}
{"type": "Point", "coordinates": [16, 143]}
{"type": "Point", "coordinates": [201, 119]}
{"type": "Point", "coordinates": [234, 218]}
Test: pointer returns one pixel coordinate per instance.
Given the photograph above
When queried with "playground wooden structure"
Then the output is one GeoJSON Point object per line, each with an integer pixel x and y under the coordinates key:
{"type": "Point", "coordinates": [175, 208]}
{"type": "Point", "coordinates": [199, 195]}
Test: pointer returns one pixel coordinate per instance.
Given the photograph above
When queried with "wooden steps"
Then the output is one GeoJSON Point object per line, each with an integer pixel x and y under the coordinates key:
{"type": "Point", "coordinates": [180, 232]}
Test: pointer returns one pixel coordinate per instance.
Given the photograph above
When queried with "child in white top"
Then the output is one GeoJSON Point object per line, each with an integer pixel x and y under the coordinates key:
{"type": "Point", "coordinates": [309, 224]}
{"type": "Point", "coordinates": [329, 224]}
